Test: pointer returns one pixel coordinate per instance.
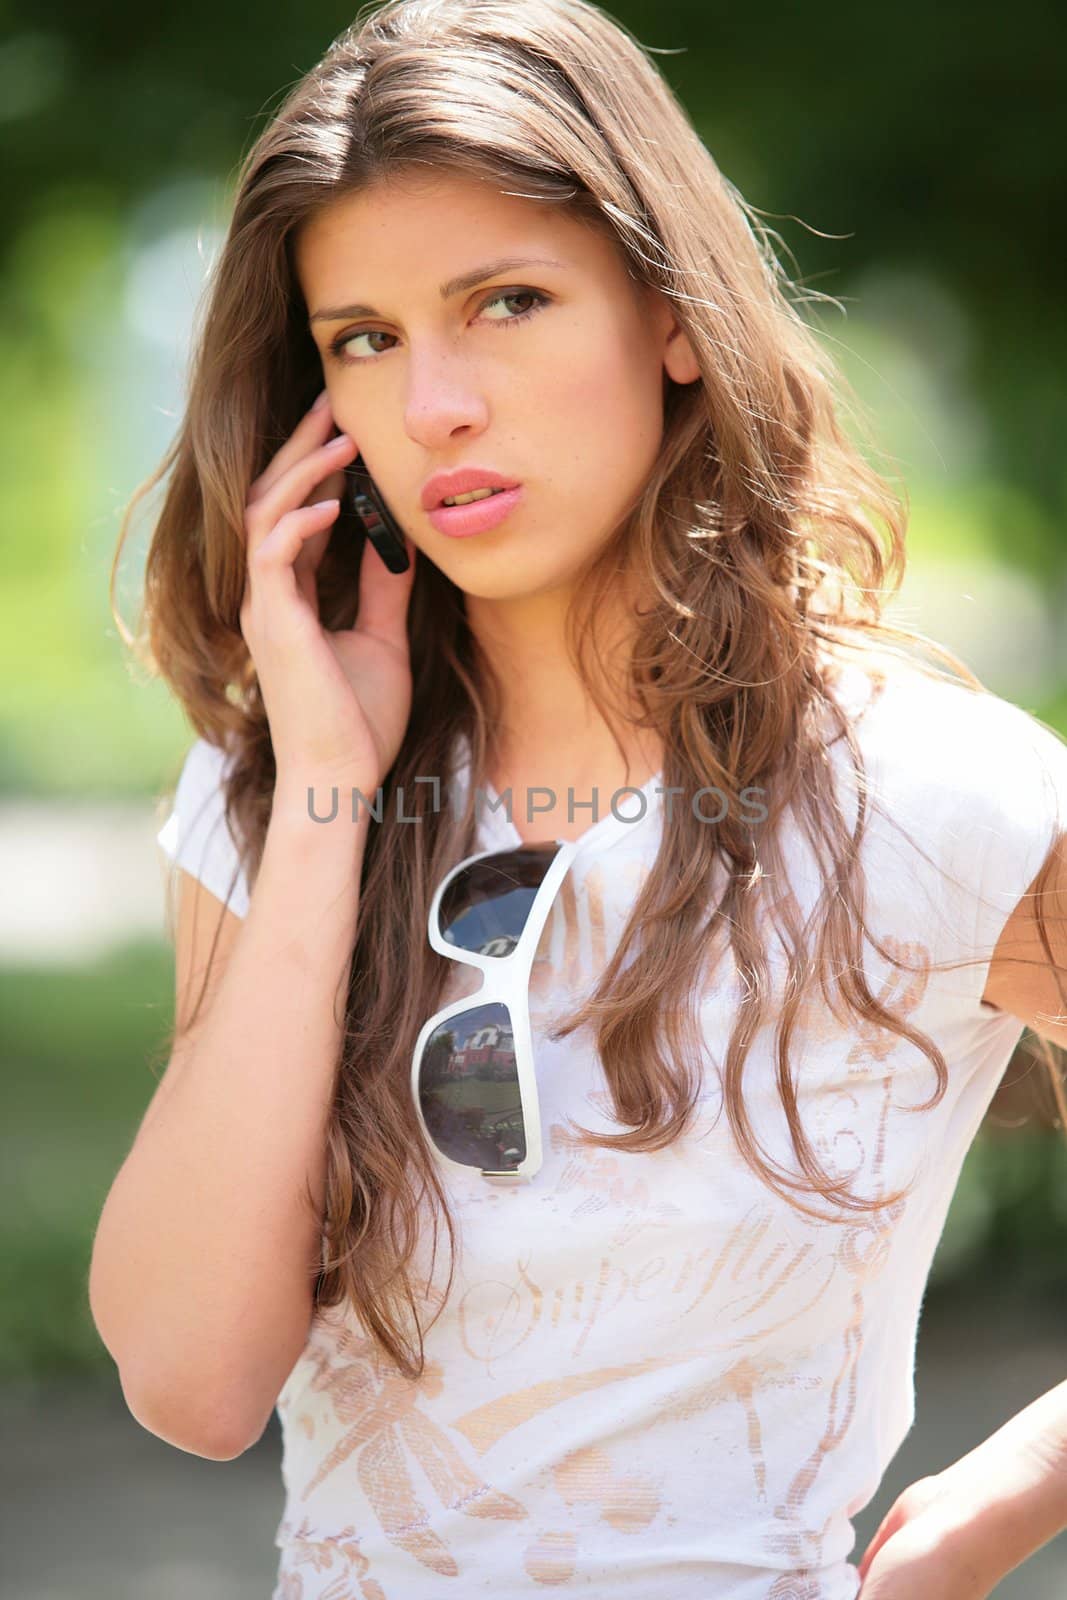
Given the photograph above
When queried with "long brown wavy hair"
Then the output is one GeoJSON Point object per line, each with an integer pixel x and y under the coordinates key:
{"type": "Point", "coordinates": [763, 540]}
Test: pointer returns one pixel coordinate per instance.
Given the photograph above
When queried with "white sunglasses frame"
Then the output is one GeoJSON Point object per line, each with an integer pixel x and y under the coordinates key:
{"type": "Point", "coordinates": [506, 980]}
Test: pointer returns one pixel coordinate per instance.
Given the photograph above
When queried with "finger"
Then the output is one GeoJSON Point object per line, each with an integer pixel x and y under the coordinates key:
{"type": "Point", "coordinates": [335, 483]}
{"type": "Point", "coordinates": [274, 558]}
{"type": "Point", "coordinates": [384, 595]}
{"type": "Point", "coordinates": [313, 428]}
{"type": "Point", "coordinates": [889, 1524]}
{"type": "Point", "coordinates": [307, 563]}
{"type": "Point", "coordinates": [311, 553]}
{"type": "Point", "coordinates": [295, 487]}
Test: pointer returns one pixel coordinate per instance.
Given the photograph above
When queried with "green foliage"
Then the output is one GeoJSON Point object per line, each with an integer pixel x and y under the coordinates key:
{"type": "Point", "coordinates": [80, 1052]}
{"type": "Point", "coordinates": [1008, 1216]}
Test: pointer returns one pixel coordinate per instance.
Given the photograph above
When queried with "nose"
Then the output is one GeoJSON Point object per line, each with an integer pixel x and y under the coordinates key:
{"type": "Point", "coordinates": [443, 394]}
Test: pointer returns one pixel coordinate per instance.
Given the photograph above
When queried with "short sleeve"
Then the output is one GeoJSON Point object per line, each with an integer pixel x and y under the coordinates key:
{"type": "Point", "coordinates": [979, 787]}
{"type": "Point", "coordinates": [196, 835]}
{"type": "Point", "coordinates": [1022, 810]}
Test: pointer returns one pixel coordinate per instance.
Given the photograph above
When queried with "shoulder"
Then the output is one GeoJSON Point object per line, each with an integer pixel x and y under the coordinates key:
{"type": "Point", "coordinates": [200, 790]}
{"type": "Point", "coordinates": [937, 741]}
{"type": "Point", "coordinates": [196, 835]}
{"type": "Point", "coordinates": [977, 782]}
{"type": "Point", "coordinates": [968, 797]}
{"type": "Point", "coordinates": [205, 766]}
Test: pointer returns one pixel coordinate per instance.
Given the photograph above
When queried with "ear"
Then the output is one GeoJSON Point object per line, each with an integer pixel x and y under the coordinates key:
{"type": "Point", "coordinates": [679, 360]}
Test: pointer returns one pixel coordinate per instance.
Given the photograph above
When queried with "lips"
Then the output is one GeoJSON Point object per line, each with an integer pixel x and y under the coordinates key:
{"type": "Point", "coordinates": [464, 480]}
{"type": "Point", "coordinates": [476, 516]}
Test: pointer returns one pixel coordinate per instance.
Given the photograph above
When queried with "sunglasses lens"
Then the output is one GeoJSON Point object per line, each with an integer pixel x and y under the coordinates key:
{"type": "Point", "coordinates": [484, 908]}
{"type": "Point", "coordinates": [469, 1089]}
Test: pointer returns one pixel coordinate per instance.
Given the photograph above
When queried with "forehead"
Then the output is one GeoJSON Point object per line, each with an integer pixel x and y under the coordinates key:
{"type": "Point", "coordinates": [381, 232]}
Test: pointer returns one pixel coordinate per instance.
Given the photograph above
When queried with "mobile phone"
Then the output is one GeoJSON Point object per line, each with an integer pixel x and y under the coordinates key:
{"type": "Point", "coordinates": [363, 502]}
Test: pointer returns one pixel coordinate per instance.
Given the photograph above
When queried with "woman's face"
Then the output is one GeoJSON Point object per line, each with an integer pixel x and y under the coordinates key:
{"type": "Point", "coordinates": [566, 398]}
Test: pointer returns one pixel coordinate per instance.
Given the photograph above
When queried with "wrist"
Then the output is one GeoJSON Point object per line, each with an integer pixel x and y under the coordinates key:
{"type": "Point", "coordinates": [321, 809]}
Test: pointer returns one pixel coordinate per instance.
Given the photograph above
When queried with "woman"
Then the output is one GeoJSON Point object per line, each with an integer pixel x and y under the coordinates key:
{"type": "Point", "coordinates": [761, 995]}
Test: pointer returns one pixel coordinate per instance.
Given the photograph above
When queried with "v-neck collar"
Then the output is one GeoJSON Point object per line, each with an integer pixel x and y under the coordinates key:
{"type": "Point", "coordinates": [604, 831]}
{"type": "Point", "coordinates": [851, 687]}
{"type": "Point", "coordinates": [634, 806]}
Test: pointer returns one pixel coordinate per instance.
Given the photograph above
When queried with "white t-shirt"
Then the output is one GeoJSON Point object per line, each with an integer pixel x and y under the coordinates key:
{"type": "Point", "coordinates": [654, 1378]}
{"type": "Point", "coordinates": [196, 835]}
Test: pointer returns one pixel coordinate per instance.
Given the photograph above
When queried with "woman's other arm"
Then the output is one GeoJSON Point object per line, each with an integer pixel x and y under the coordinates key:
{"type": "Point", "coordinates": [207, 1250]}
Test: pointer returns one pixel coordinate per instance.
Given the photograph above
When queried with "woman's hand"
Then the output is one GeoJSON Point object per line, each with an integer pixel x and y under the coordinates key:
{"type": "Point", "coordinates": [338, 703]}
{"type": "Point", "coordinates": [956, 1534]}
{"type": "Point", "coordinates": [928, 1544]}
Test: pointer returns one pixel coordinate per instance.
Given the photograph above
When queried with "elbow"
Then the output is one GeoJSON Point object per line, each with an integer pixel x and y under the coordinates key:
{"type": "Point", "coordinates": [189, 1423]}
{"type": "Point", "coordinates": [185, 1410]}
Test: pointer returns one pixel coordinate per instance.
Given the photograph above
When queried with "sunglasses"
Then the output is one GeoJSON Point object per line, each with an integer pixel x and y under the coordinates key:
{"type": "Point", "coordinates": [472, 1072]}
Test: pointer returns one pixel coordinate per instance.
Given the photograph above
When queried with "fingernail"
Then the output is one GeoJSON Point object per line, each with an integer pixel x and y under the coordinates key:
{"type": "Point", "coordinates": [323, 400]}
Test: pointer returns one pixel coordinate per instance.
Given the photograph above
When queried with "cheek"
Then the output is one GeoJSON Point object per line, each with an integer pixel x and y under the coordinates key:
{"type": "Point", "coordinates": [615, 427]}
{"type": "Point", "coordinates": [600, 390]}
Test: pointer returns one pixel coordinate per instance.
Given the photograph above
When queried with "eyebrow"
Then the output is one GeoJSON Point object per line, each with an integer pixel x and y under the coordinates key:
{"type": "Point", "coordinates": [466, 280]}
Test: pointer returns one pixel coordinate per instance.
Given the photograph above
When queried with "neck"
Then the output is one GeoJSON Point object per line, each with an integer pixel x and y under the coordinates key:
{"type": "Point", "coordinates": [550, 725]}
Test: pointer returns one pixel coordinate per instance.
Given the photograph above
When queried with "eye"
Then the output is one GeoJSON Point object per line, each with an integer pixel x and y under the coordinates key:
{"type": "Point", "coordinates": [337, 346]}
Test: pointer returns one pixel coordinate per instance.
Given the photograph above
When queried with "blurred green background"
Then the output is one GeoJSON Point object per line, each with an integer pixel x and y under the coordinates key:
{"type": "Point", "coordinates": [908, 160]}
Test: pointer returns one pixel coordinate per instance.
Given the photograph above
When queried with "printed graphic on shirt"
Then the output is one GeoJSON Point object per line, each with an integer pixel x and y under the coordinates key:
{"type": "Point", "coordinates": [652, 1352]}
{"type": "Point", "coordinates": [757, 1284]}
